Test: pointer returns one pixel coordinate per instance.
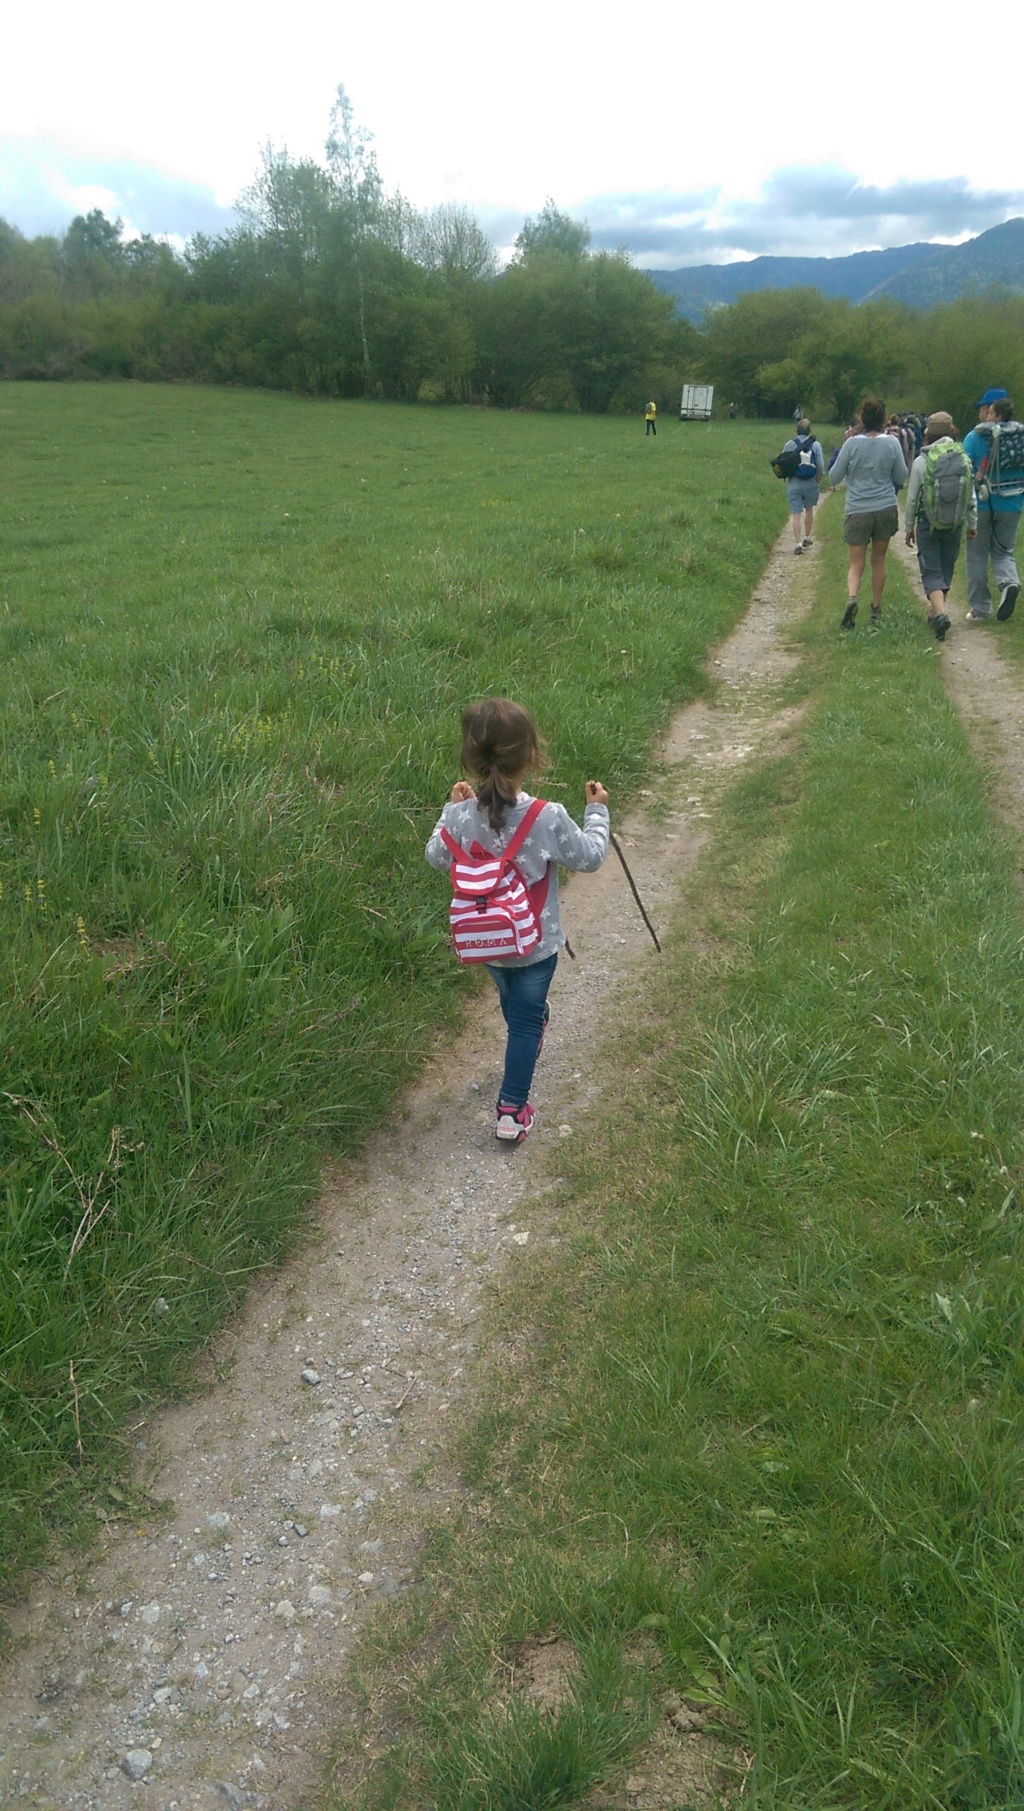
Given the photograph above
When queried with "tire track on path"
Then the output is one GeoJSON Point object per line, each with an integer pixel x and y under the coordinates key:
{"type": "Point", "coordinates": [197, 1657]}
{"type": "Point", "coordinates": [988, 693]}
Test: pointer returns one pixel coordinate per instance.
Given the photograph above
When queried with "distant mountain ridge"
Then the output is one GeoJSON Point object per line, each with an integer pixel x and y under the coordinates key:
{"type": "Point", "coordinates": [921, 274]}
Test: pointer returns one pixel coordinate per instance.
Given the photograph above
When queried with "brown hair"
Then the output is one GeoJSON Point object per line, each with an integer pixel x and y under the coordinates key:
{"type": "Point", "coordinates": [1003, 409]}
{"type": "Point", "coordinates": [803, 426]}
{"type": "Point", "coordinates": [500, 741]}
{"type": "Point", "coordinates": [872, 414]}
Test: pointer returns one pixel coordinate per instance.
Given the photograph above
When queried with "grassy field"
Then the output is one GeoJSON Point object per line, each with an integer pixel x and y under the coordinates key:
{"type": "Point", "coordinates": [236, 631]}
{"type": "Point", "coordinates": [761, 1439]}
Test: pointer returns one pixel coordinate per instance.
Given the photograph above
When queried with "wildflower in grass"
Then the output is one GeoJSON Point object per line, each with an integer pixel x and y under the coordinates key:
{"type": "Point", "coordinates": [52, 770]}
{"type": "Point", "coordinates": [36, 816]}
{"type": "Point", "coordinates": [80, 929]}
{"type": "Point", "coordinates": [41, 893]}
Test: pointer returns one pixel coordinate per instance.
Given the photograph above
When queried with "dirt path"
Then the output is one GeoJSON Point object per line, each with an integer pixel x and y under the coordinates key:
{"type": "Point", "coordinates": [987, 690]}
{"type": "Point", "coordinates": [200, 1648]}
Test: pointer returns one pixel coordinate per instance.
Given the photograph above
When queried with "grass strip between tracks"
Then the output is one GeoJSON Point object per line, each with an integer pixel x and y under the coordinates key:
{"type": "Point", "coordinates": [759, 1439]}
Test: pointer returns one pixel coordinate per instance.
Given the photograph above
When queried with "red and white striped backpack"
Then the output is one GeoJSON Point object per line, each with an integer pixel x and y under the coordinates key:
{"type": "Point", "coordinates": [494, 913]}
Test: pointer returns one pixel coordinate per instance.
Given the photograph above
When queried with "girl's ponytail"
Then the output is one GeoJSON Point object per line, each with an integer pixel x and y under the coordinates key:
{"type": "Point", "coordinates": [500, 741]}
{"type": "Point", "coordinates": [494, 794]}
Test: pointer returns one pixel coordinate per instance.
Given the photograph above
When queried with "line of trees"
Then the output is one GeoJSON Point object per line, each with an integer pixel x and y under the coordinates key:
{"type": "Point", "coordinates": [329, 285]}
{"type": "Point", "coordinates": [774, 349]}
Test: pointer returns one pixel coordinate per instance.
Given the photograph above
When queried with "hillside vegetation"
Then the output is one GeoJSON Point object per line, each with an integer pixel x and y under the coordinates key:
{"type": "Point", "coordinates": [920, 274]}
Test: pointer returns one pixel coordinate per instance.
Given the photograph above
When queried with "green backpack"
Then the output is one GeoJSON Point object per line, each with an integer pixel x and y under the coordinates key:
{"type": "Point", "coordinates": [947, 485]}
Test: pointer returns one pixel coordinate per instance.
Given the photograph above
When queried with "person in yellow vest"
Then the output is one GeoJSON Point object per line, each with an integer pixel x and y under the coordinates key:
{"type": "Point", "coordinates": [650, 418]}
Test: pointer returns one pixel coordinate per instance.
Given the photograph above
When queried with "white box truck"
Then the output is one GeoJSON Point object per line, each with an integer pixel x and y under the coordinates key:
{"type": "Point", "coordinates": [696, 403]}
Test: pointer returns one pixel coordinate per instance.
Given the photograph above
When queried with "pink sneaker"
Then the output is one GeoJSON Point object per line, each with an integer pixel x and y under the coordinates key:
{"type": "Point", "coordinates": [512, 1123]}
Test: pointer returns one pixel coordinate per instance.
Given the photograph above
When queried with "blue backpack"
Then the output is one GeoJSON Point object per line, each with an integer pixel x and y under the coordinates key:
{"type": "Point", "coordinates": [1001, 472]}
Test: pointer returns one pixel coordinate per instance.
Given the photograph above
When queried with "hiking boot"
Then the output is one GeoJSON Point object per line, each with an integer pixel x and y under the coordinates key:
{"type": "Point", "coordinates": [978, 616]}
{"type": "Point", "coordinates": [1007, 602]}
{"type": "Point", "coordinates": [939, 624]}
{"type": "Point", "coordinates": [511, 1124]}
{"type": "Point", "coordinates": [849, 615]}
{"type": "Point", "coordinates": [876, 616]}
{"type": "Point", "coordinates": [799, 547]}
{"type": "Point", "coordinates": [808, 540]}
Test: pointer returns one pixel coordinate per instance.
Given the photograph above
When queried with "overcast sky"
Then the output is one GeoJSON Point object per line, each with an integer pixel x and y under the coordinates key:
{"type": "Point", "coordinates": [687, 135]}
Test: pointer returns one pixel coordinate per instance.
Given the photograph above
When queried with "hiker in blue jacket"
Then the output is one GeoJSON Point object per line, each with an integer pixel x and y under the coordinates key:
{"type": "Point", "coordinates": [999, 514]}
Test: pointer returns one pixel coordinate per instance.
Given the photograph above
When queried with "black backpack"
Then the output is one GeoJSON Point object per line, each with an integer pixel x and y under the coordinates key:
{"type": "Point", "coordinates": [790, 462]}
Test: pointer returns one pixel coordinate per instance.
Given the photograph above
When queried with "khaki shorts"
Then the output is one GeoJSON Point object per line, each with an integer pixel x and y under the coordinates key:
{"type": "Point", "coordinates": [873, 525]}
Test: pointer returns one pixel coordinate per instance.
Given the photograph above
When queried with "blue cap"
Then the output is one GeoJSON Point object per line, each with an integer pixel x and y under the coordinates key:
{"type": "Point", "coordinates": [991, 396]}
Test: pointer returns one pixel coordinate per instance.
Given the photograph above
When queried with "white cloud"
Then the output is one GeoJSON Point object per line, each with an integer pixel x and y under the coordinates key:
{"type": "Point", "coordinates": [45, 182]}
{"type": "Point", "coordinates": [475, 104]}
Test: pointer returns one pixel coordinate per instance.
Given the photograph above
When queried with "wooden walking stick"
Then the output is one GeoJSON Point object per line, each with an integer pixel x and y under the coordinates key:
{"type": "Point", "coordinates": [632, 887]}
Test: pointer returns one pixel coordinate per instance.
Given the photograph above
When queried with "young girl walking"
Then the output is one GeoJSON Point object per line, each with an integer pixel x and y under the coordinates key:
{"type": "Point", "coordinates": [500, 746]}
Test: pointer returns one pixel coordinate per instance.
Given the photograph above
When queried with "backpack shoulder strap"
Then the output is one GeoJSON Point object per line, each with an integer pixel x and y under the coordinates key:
{"type": "Point", "coordinates": [533, 811]}
{"type": "Point", "coordinates": [538, 889]}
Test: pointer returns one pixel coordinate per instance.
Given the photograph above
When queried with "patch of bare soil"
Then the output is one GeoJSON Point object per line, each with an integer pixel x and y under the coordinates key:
{"type": "Point", "coordinates": [682, 1768]}
{"type": "Point", "coordinates": [683, 1763]}
{"type": "Point", "coordinates": [199, 1656]}
{"type": "Point", "coordinates": [544, 1670]}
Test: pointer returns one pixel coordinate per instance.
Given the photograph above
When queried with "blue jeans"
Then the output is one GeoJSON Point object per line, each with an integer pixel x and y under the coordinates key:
{"type": "Point", "coordinates": [523, 994]}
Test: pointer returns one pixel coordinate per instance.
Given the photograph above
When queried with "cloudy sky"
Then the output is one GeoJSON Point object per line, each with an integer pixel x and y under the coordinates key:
{"type": "Point", "coordinates": [688, 139]}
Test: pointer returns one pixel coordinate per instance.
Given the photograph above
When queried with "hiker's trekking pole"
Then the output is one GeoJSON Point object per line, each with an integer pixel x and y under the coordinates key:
{"type": "Point", "coordinates": [632, 888]}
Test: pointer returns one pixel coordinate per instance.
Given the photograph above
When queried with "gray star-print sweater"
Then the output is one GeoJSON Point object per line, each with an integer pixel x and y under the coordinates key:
{"type": "Point", "coordinates": [554, 838]}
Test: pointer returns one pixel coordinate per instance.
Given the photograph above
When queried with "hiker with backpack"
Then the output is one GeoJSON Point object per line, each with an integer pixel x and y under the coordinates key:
{"type": "Point", "coordinates": [874, 469]}
{"type": "Point", "coordinates": [940, 506]}
{"type": "Point", "coordinates": [502, 848]}
{"type": "Point", "coordinates": [804, 463]}
{"type": "Point", "coordinates": [996, 452]}
{"type": "Point", "coordinates": [900, 432]}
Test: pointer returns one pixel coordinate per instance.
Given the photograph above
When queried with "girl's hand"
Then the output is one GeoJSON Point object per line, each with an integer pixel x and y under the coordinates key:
{"type": "Point", "coordinates": [461, 791]}
{"type": "Point", "coordinates": [595, 793]}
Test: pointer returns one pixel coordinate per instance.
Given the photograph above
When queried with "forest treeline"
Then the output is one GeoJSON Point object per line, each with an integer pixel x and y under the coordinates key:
{"type": "Point", "coordinates": [330, 286]}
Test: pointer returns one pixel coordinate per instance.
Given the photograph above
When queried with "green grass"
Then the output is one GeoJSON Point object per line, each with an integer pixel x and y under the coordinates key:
{"type": "Point", "coordinates": [236, 633]}
{"type": "Point", "coordinates": [765, 1418]}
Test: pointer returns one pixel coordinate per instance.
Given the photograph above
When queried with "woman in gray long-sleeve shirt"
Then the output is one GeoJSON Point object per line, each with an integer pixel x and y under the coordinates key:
{"type": "Point", "coordinates": [874, 469]}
